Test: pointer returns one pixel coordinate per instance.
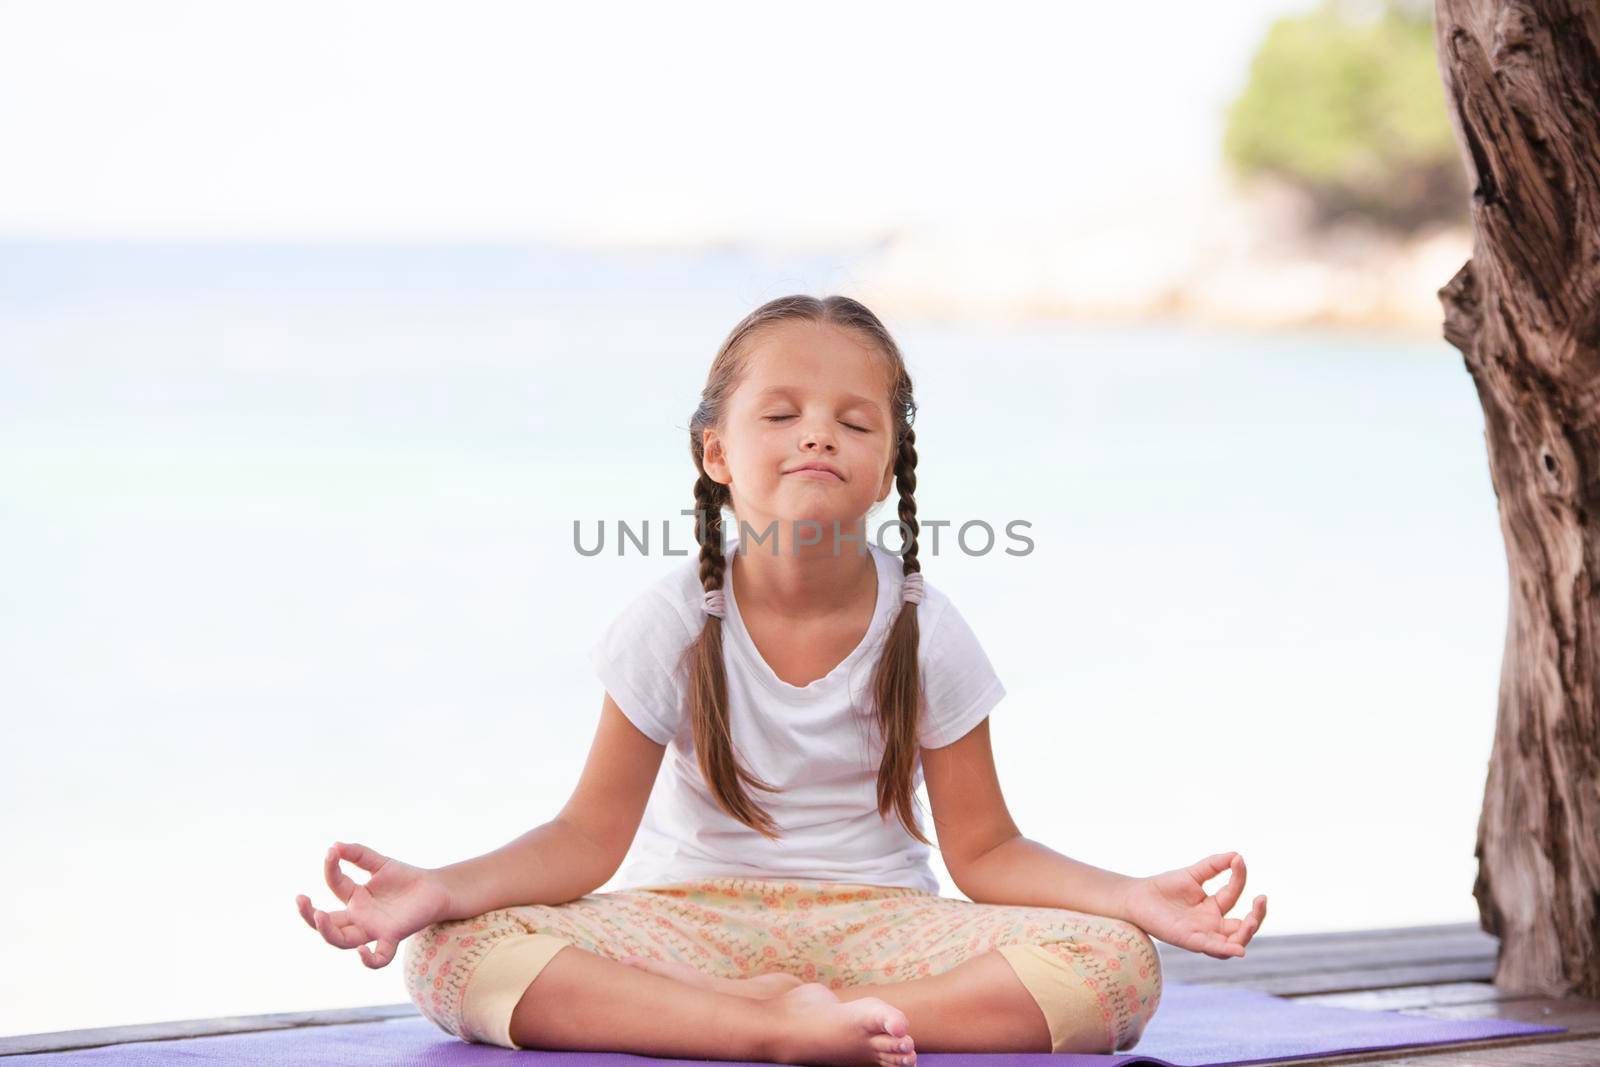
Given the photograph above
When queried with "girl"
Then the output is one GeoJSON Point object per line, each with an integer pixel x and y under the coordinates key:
{"type": "Point", "coordinates": [801, 660]}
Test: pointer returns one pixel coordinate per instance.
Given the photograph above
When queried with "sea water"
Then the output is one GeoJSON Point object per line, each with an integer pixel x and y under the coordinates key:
{"type": "Point", "coordinates": [288, 559]}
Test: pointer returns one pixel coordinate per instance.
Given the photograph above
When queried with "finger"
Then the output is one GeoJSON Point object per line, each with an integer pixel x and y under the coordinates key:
{"type": "Point", "coordinates": [365, 858]}
{"type": "Point", "coordinates": [341, 884]}
{"type": "Point", "coordinates": [326, 928]}
{"type": "Point", "coordinates": [354, 936]}
{"type": "Point", "coordinates": [1228, 895]}
{"type": "Point", "coordinates": [1250, 923]}
{"type": "Point", "coordinates": [1204, 870]}
{"type": "Point", "coordinates": [303, 902]}
{"type": "Point", "coordinates": [1219, 946]}
{"type": "Point", "coordinates": [339, 931]}
{"type": "Point", "coordinates": [1206, 942]}
{"type": "Point", "coordinates": [379, 957]}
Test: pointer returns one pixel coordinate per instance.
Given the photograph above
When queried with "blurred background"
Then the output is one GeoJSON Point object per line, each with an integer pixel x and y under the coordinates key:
{"type": "Point", "coordinates": [321, 325]}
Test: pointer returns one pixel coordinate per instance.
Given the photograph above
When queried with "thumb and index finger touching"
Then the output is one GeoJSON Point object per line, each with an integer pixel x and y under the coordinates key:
{"type": "Point", "coordinates": [342, 884]}
{"type": "Point", "coordinates": [1208, 868]}
{"type": "Point", "coordinates": [336, 928]}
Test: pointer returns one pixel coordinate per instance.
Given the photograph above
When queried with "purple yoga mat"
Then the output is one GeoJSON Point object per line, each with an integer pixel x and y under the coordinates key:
{"type": "Point", "coordinates": [1194, 1025]}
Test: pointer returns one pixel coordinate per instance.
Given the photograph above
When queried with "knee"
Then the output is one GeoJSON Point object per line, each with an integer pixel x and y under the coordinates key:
{"type": "Point", "coordinates": [1141, 991]}
{"type": "Point", "coordinates": [1119, 964]}
{"type": "Point", "coordinates": [436, 962]}
{"type": "Point", "coordinates": [427, 975]}
{"type": "Point", "coordinates": [1135, 947]}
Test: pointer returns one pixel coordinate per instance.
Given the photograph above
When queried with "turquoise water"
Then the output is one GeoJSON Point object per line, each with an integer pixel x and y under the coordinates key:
{"type": "Point", "coordinates": [289, 559]}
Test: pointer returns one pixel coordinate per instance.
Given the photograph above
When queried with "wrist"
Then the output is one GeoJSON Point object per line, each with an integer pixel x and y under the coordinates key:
{"type": "Point", "coordinates": [447, 894]}
{"type": "Point", "coordinates": [1125, 898]}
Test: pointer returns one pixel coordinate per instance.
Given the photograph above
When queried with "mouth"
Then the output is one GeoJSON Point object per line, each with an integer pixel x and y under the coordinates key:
{"type": "Point", "coordinates": [817, 470]}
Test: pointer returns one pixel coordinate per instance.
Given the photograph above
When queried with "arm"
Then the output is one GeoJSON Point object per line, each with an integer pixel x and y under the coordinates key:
{"type": "Point", "coordinates": [987, 856]}
{"type": "Point", "coordinates": [992, 863]}
{"type": "Point", "coordinates": [581, 848]}
{"type": "Point", "coordinates": [1022, 871]}
{"type": "Point", "coordinates": [550, 864]}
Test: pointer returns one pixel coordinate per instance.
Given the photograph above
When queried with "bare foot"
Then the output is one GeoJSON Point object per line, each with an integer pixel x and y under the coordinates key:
{"type": "Point", "coordinates": [812, 1025]}
{"type": "Point", "coordinates": [761, 987]}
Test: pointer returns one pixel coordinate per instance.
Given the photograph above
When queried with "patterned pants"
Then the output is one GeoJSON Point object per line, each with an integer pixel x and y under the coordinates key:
{"type": "Point", "coordinates": [1097, 980]}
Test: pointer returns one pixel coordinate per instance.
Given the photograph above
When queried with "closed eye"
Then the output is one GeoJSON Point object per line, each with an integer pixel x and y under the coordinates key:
{"type": "Point", "coordinates": [780, 418]}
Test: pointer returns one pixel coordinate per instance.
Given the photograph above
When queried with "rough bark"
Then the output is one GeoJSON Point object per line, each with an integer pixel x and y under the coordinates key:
{"type": "Point", "coordinates": [1522, 82]}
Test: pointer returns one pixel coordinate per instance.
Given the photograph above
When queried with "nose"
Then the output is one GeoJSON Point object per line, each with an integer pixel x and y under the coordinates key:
{"type": "Point", "coordinates": [818, 439]}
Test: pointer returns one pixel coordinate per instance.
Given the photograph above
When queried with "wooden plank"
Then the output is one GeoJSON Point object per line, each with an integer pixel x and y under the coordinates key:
{"type": "Point", "coordinates": [1295, 985]}
{"type": "Point", "coordinates": [1507, 1053]}
{"type": "Point", "coordinates": [1306, 964]}
{"type": "Point", "coordinates": [1402, 998]}
{"type": "Point", "coordinates": [1390, 935]}
{"type": "Point", "coordinates": [1265, 957]}
{"type": "Point", "coordinates": [61, 1040]}
{"type": "Point", "coordinates": [1408, 968]}
{"type": "Point", "coordinates": [1243, 972]}
{"type": "Point", "coordinates": [1579, 1015]}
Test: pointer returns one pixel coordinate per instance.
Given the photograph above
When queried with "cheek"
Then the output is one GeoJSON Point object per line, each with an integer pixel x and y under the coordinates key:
{"type": "Point", "coordinates": [759, 458]}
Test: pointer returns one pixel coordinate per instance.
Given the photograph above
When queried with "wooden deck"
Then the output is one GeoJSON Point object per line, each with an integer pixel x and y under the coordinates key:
{"type": "Point", "coordinates": [1441, 971]}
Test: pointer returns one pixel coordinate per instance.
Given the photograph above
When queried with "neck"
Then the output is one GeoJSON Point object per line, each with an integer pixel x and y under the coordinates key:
{"type": "Point", "coordinates": [804, 581]}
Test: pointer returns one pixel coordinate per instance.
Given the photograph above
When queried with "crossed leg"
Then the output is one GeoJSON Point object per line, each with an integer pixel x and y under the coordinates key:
{"type": "Point", "coordinates": [581, 1000]}
{"type": "Point", "coordinates": [1062, 981]}
{"type": "Point", "coordinates": [978, 1006]}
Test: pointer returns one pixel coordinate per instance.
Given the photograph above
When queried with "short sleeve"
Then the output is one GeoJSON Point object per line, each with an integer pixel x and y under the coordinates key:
{"type": "Point", "coordinates": [959, 682]}
{"type": "Point", "coordinates": [636, 659]}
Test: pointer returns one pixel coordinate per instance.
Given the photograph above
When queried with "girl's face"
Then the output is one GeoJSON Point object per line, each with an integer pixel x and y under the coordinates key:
{"type": "Point", "coordinates": [812, 393]}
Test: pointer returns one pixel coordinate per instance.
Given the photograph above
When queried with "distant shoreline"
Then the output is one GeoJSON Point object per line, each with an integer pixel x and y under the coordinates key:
{"type": "Point", "coordinates": [1241, 263]}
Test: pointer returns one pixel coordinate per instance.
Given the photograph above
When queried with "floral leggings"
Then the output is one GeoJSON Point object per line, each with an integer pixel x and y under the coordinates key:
{"type": "Point", "coordinates": [1097, 980]}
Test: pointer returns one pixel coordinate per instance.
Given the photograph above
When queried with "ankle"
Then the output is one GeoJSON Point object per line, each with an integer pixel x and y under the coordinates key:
{"type": "Point", "coordinates": [776, 1037]}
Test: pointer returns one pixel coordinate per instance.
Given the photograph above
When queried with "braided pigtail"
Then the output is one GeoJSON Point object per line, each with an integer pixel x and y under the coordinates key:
{"type": "Point", "coordinates": [708, 679]}
{"type": "Point", "coordinates": [897, 681]}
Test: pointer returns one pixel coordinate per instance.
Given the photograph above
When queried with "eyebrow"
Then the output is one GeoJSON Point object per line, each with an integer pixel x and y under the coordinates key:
{"type": "Point", "coordinates": [784, 390]}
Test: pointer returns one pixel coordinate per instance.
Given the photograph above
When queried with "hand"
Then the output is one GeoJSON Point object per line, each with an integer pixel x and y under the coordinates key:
{"type": "Point", "coordinates": [1174, 907]}
{"type": "Point", "coordinates": [395, 903]}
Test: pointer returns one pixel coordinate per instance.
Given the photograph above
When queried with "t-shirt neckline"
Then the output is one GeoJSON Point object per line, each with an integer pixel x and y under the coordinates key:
{"type": "Point", "coordinates": [747, 646]}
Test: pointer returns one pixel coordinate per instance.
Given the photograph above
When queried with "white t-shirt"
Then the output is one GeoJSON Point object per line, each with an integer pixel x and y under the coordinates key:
{"type": "Point", "coordinates": [819, 743]}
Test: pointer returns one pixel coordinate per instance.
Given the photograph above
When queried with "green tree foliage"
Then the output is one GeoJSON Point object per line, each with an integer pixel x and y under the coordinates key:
{"type": "Point", "coordinates": [1348, 104]}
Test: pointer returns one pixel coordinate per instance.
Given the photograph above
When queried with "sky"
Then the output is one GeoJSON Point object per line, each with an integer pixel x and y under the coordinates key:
{"type": "Point", "coordinates": [603, 122]}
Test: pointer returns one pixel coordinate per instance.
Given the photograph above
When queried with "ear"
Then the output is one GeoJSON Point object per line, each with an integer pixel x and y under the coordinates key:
{"type": "Point", "coordinates": [715, 460]}
{"type": "Point", "coordinates": [888, 481]}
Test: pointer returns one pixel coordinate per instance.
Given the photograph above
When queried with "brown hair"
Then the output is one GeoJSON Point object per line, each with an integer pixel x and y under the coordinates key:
{"type": "Point", "coordinates": [896, 681]}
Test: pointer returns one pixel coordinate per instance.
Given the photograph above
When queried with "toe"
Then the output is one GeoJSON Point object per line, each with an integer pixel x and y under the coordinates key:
{"type": "Point", "coordinates": [885, 1043]}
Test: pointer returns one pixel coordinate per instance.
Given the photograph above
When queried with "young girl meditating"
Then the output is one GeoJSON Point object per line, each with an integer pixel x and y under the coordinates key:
{"type": "Point", "coordinates": [799, 659]}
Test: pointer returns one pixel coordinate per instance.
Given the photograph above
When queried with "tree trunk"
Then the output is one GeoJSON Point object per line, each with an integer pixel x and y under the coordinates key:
{"type": "Point", "coordinates": [1522, 82]}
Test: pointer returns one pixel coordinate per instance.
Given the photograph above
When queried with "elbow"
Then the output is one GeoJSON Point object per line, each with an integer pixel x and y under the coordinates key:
{"type": "Point", "coordinates": [967, 871]}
